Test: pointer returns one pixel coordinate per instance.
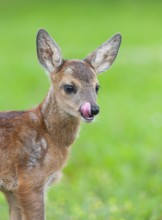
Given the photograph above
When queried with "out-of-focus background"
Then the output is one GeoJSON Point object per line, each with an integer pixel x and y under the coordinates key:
{"type": "Point", "coordinates": [115, 167]}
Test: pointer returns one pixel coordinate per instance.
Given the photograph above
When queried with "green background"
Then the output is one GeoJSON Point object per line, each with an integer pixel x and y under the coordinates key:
{"type": "Point", "coordinates": [115, 167]}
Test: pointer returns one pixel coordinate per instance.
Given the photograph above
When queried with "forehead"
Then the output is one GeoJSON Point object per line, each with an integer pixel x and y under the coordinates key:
{"type": "Point", "coordinates": [79, 70]}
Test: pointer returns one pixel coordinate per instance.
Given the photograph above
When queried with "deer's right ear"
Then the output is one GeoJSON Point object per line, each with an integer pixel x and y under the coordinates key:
{"type": "Point", "coordinates": [48, 52]}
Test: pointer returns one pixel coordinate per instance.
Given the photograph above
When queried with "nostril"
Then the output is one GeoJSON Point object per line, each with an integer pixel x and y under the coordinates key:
{"type": "Point", "coordinates": [95, 109]}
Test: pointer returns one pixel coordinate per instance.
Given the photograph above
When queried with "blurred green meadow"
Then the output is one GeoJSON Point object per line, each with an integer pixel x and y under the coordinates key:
{"type": "Point", "coordinates": [115, 167]}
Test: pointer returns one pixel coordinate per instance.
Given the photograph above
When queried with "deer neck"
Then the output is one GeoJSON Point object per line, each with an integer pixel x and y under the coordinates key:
{"type": "Point", "coordinates": [61, 126]}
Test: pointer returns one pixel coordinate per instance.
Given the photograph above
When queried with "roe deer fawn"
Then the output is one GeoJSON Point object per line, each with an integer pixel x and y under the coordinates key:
{"type": "Point", "coordinates": [34, 144]}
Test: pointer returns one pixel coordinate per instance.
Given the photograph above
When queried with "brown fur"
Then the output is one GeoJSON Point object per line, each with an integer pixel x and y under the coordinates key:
{"type": "Point", "coordinates": [34, 144]}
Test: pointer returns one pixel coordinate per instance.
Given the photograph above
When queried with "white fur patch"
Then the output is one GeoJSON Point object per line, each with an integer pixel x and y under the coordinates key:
{"type": "Point", "coordinates": [53, 178]}
{"type": "Point", "coordinates": [35, 151]}
{"type": "Point", "coordinates": [47, 100]}
{"type": "Point", "coordinates": [44, 143]}
{"type": "Point", "coordinates": [33, 117]}
{"type": "Point", "coordinates": [69, 70]}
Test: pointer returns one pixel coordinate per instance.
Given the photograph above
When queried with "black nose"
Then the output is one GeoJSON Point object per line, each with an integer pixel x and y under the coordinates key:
{"type": "Point", "coordinates": [94, 110]}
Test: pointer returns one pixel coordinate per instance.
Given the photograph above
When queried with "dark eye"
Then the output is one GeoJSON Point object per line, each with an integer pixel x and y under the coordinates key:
{"type": "Point", "coordinates": [69, 89]}
{"type": "Point", "coordinates": [97, 88]}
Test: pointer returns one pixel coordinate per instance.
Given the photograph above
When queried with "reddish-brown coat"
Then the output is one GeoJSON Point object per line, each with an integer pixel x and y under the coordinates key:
{"type": "Point", "coordinates": [34, 144]}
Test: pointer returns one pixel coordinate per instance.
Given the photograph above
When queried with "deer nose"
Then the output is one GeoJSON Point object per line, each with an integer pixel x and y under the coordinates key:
{"type": "Point", "coordinates": [95, 110]}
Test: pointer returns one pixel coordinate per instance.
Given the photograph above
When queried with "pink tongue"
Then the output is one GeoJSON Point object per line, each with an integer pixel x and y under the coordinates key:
{"type": "Point", "coordinates": [86, 109]}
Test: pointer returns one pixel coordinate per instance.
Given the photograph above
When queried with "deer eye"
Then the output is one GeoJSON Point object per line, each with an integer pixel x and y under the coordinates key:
{"type": "Point", "coordinates": [97, 88]}
{"type": "Point", "coordinates": [69, 89]}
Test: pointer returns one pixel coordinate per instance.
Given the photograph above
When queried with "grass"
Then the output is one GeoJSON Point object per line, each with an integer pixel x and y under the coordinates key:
{"type": "Point", "coordinates": [115, 167]}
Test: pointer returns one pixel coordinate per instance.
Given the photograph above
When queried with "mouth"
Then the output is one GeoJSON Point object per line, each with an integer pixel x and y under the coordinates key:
{"type": "Point", "coordinates": [85, 112]}
{"type": "Point", "coordinates": [87, 118]}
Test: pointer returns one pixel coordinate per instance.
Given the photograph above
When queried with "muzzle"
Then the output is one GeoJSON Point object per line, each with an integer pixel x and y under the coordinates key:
{"type": "Point", "coordinates": [88, 111]}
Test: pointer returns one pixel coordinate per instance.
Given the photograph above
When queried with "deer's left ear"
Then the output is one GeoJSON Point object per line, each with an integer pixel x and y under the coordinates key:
{"type": "Point", "coordinates": [102, 58]}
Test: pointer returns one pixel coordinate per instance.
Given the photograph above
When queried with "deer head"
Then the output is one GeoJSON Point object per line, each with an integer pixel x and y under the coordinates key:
{"type": "Point", "coordinates": [74, 82]}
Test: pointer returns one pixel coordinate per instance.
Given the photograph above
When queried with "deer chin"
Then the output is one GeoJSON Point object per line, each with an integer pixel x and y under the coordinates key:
{"type": "Point", "coordinates": [88, 119]}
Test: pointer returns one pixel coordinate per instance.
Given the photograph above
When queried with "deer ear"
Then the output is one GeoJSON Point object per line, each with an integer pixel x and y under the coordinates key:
{"type": "Point", "coordinates": [48, 52]}
{"type": "Point", "coordinates": [102, 58]}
